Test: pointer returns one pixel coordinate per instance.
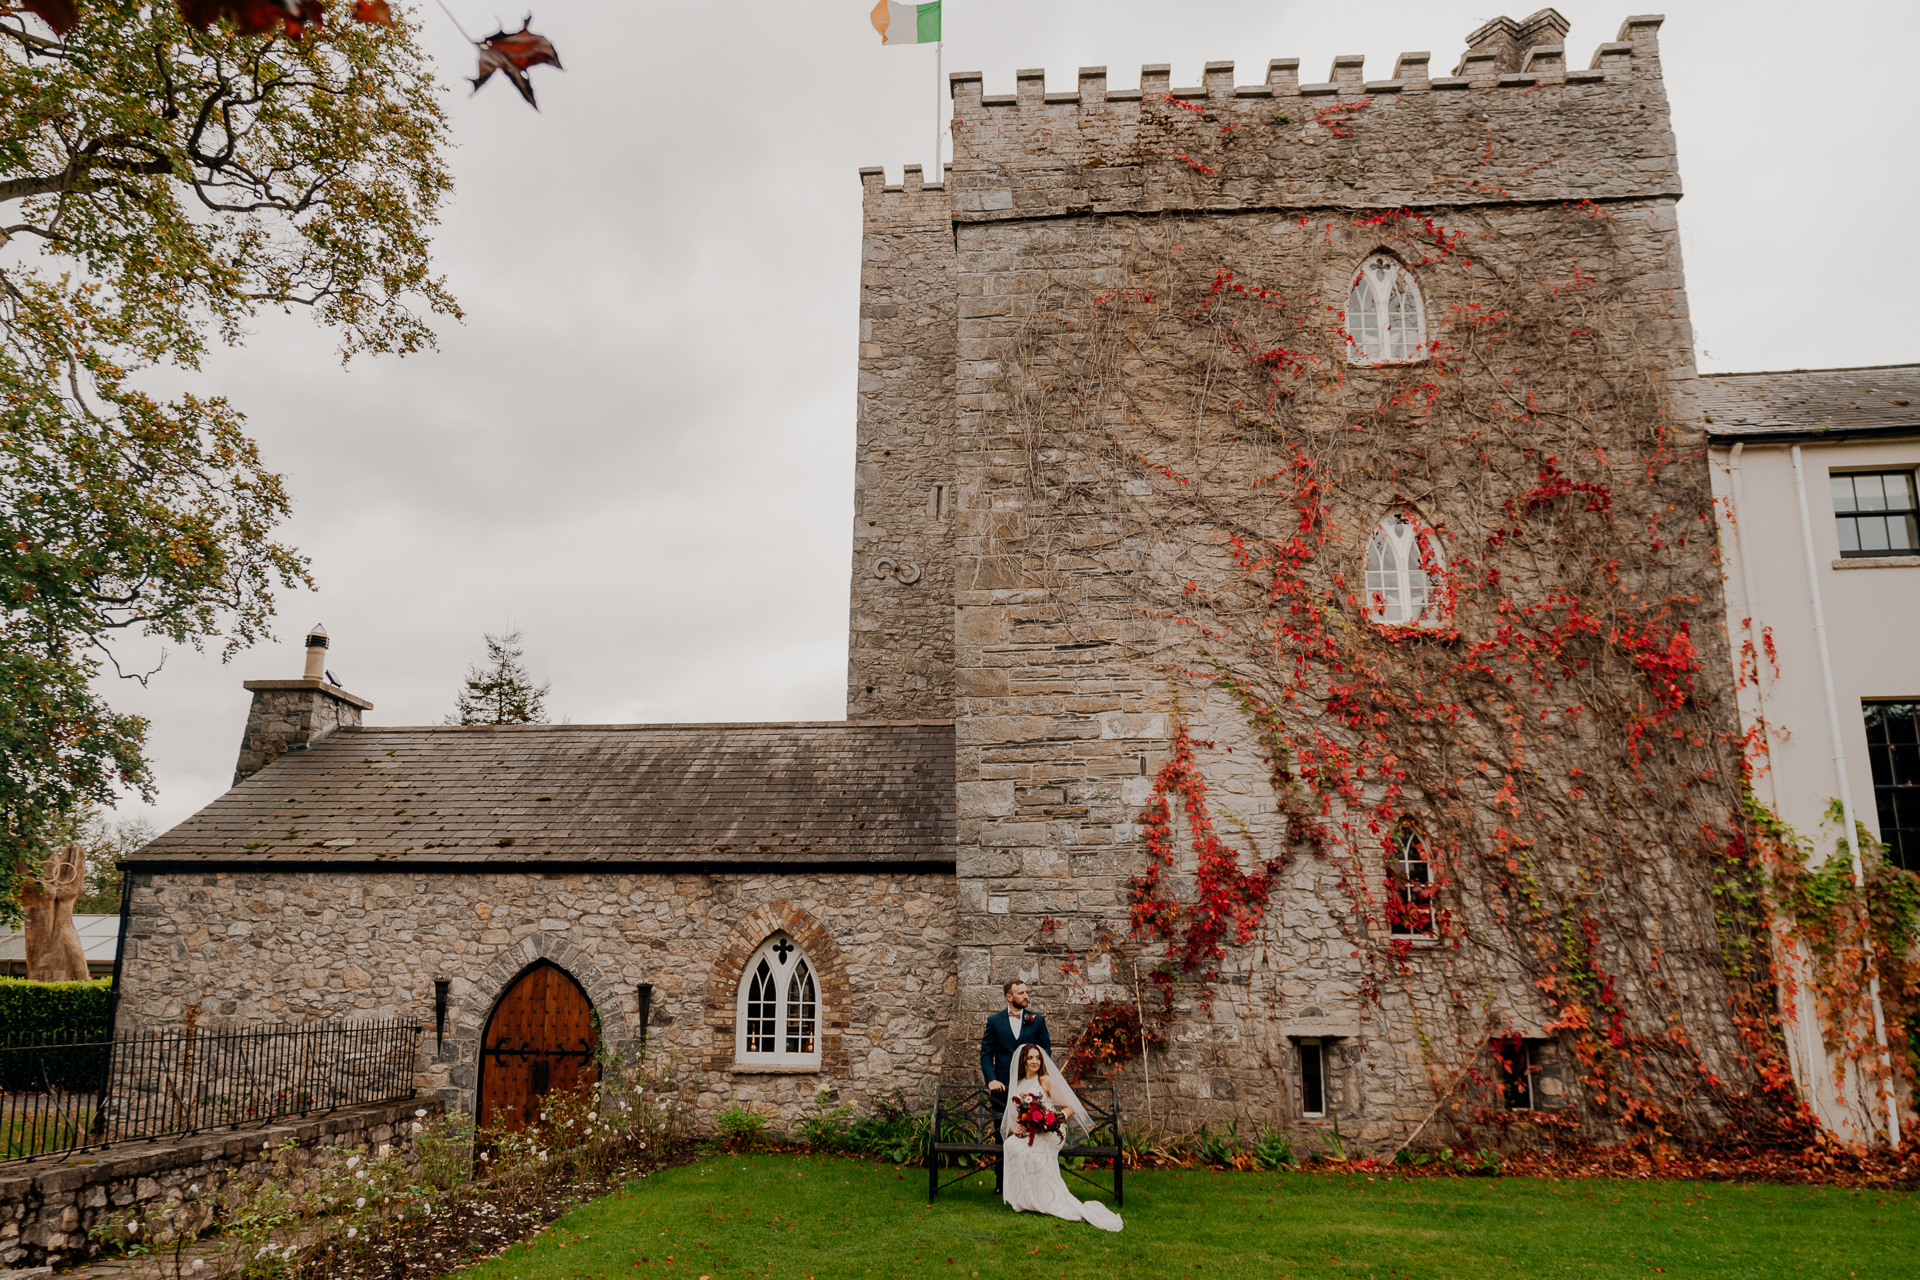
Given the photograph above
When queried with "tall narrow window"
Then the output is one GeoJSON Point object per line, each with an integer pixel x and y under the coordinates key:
{"type": "Point", "coordinates": [1893, 747]}
{"type": "Point", "coordinates": [1409, 886]}
{"type": "Point", "coordinates": [1876, 514]}
{"type": "Point", "coordinates": [801, 1003]}
{"type": "Point", "coordinates": [1313, 1089]}
{"type": "Point", "coordinates": [1403, 568]}
{"type": "Point", "coordinates": [779, 1015]}
{"type": "Point", "coordinates": [763, 1018]}
{"type": "Point", "coordinates": [1386, 321]}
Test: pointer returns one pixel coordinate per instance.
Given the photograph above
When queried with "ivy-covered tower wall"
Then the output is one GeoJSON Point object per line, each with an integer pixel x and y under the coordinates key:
{"type": "Point", "coordinates": [900, 634]}
{"type": "Point", "coordinates": [1189, 751]}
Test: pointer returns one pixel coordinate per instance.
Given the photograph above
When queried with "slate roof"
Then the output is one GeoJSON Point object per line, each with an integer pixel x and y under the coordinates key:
{"type": "Point", "coordinates": [1813, 402]}
{"type": "Point", "coordinates": [836, 792]}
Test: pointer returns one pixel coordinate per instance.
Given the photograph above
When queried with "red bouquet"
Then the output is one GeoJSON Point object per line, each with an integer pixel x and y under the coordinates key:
{"type": "Point", "coordinates": [1037, 1118]}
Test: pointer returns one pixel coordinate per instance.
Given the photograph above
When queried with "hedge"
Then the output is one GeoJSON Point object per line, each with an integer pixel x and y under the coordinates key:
{"type": "Point", "coordinates": [35, 1012]}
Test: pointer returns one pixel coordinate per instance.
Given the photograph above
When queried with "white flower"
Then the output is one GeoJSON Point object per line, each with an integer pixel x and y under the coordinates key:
{"type": "Point", "coordinates": [416, 1126]}
{"type": "Point", "coordinates": [133, 1228]}
{"type": "Point", "coordinates": [420, 1113]}
{"type": "Point", "coordinates": [359, 1173]}
{"type": "Point", "coordinates": [352, 1161]}
{"type": "Point", "coordinates": [593, 1115]}
{"type": "Point", "coordinates": [199, 1263]}
{"type": "Point", "coordinates": [361, 1203]}
{"type": "Point", "coordinates": [352, 1232]}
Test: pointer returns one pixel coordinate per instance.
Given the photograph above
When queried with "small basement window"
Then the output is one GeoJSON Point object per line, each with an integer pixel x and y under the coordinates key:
{"type": "Point", "coordinates": [1876, 514]}
{"type": "Point", "coordinates": [1313, 1077]}
{"type": "Point", "coordinates": [1519, 1065]}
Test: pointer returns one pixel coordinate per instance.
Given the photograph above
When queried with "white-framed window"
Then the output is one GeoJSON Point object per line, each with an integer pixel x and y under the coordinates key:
{"type": "Point", "coordinates": [1386, 319]}
{"type": "Point", "coordinates": [779, 1013]}
{"type": "Point", "coordinates": [1409, 886]}
{"type": "Point", "coordinates": [1403, 574]}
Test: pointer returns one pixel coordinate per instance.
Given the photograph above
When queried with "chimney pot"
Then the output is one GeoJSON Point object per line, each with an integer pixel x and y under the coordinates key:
{"type": "Point", "coordinates": [316, 653]}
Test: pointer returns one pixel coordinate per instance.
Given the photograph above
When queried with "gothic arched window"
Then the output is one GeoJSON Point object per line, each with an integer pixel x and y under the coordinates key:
{"type": "Point", "coordinates": [1409, 885]}
{"type": "Point", "coordinates": [779, 1014]}
{"type": "Point", "coordinates": [1404, 585]}
{"type": "Point", "coordinates": [1386, 321]}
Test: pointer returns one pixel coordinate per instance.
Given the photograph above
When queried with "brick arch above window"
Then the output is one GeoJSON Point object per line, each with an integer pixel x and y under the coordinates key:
{"type": "Point", "coordinates": [740, 945]}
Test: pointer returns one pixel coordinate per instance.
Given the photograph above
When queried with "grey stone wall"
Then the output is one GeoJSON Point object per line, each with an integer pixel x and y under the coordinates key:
{"type": "Point", "coordinates": [1069, 683]}
{"type": "Point", "coordinates": [286, 947]}
{"type": "Point", "coordinates": [286, 715]}
{"type": "Point", "coordinates": [47, 1207]}
{"type": "Point", "coordinates": [900, 631]}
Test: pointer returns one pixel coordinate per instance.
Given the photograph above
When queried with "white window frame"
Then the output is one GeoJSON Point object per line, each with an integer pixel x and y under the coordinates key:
{"type": "Point", "coordinates": [1401, 591]}
{"type": "Point", "coordinates": [1407, 839]}
{"type": "Point", "coordinates": [1319, 1046]}
{"type": "Point", "coordinates": [785, 963]}
{"type": "Point", "coordinates": [1386, 317]}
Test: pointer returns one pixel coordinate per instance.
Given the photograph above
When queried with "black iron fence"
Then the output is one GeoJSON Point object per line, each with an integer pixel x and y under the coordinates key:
{"type": "Point", "coordinates": [62, 1094]}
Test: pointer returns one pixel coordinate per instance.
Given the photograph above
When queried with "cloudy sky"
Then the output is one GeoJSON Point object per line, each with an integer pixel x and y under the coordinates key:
{"type": "Point", "coordinates": [638, 446]}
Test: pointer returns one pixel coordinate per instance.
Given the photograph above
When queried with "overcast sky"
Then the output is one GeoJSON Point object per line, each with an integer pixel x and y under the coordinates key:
{"type": "Point", "coordinates": [638, 446]}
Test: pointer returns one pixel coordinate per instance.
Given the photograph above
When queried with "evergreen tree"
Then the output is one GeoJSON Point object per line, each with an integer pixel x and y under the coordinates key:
{"type": "Point", "coordinates": [501, 691]}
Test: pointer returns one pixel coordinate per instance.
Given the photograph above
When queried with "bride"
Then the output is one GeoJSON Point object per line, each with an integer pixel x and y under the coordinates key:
{"type": "Point", "coordinates": [1032, 1180]}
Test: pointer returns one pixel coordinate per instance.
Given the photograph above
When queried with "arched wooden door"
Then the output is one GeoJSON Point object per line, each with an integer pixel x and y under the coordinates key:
{"type": "Point", "coordinates": [540, 1040]}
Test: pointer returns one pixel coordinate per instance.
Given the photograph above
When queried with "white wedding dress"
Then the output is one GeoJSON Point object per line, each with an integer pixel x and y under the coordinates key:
{"type": "Point", "coordinates": [1031, 1181]}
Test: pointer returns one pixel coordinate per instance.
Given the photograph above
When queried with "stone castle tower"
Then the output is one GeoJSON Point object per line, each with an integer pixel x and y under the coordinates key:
{"type": "Point", "coordinates": [1131, 466]}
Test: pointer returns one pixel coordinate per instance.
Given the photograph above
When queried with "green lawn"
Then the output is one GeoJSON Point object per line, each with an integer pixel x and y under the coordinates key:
{"type": "Point", "coordinates": [794, 1217]}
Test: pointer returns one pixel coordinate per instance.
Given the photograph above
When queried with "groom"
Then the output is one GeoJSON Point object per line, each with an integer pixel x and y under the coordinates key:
{"type": "Point", "coordinates": [1006, 1031]}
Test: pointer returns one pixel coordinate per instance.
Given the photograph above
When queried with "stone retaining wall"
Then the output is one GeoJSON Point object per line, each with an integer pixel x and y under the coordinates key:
{"type": "Point", "coordinates": [48, 1206]}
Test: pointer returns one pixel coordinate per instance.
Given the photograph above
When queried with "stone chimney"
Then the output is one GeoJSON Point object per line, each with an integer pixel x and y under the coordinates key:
{"type": "Point", "coordinates": [1506, 42]}
{"type": "Point", "coordinates": [292, 715]}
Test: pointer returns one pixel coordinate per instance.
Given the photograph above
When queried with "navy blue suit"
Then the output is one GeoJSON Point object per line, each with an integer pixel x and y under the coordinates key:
{"type": "Point", "coordinates": [998, 1041]}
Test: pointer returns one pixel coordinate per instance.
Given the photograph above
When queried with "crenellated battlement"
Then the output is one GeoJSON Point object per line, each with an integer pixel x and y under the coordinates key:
{"type": "Point", "coordinates": [911, 205]}
{"type": "Point", "coordinates": [1503, 54]}
{"type": "Point", "coordinates": [1514, 123]}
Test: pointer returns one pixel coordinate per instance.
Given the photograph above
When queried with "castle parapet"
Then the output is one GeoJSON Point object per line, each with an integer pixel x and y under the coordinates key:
{"type": "Point", "coordinates": [1513, 123]}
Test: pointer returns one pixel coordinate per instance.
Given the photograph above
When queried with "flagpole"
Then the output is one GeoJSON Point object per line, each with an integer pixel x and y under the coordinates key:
{"type": "Point", "coordinates": [939, 54]}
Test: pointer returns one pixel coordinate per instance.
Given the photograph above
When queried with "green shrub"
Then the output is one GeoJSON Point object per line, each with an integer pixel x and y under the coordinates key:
{"type": "Point", "coordinates": [823, 1127]}
{"type": "Point", "coordinates": [740, 1127]}
{"type": "Point", "coordinates": [70, 1010]}
{"type": "Point", "coordinates": [1272, 1151]}
{"type": "Point", "coordinates": [895, 1131]}
{"type": "Point", "coordinates": [60, 1012]}
{"type": "Point", "coordinates": [1219, 1149]}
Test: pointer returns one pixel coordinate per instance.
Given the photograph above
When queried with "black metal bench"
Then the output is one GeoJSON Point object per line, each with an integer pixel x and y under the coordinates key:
{"type": "Point", "coordinates": [966, 1122]}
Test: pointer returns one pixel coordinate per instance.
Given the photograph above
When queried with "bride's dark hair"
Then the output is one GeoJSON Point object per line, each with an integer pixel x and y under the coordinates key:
{"type": "Point", "coordinates": [1032, 1050]}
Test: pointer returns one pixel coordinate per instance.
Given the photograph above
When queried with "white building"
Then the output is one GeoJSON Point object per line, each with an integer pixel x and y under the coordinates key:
{"type": "Point", "coordinates": [1814, 475]}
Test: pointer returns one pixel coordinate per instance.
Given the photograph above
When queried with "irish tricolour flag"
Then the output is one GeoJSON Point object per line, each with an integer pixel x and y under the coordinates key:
{"type": "Point", "coordinates": [907, 23]}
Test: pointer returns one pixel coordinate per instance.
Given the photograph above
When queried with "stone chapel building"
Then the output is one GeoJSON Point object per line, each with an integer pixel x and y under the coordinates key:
{"type": "Point", "coordinates": [1142, 347]}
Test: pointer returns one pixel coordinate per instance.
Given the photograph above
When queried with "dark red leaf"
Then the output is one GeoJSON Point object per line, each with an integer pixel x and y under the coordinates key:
{"type": "Point", "coordinates": [375, 11]}
{"type": "Point", "coordinates": [255, 17]}
{"type": "Point", "coordinates": [514, 52]}
{"type": "Point", "coordinates": [58, 14]}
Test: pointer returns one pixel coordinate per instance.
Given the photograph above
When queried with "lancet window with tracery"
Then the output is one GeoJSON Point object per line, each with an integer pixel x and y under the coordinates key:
{"type": "Point", "coordinates": [1386, 318]}
{"type": "Point", "coordinates": [779, 1015]}
{"type": "Point", "coordinates": [1404, 575]}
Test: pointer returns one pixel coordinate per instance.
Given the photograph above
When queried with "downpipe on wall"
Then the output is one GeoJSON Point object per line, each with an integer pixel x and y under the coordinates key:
{"type": "Point", "coordinates": [1846, 790]}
